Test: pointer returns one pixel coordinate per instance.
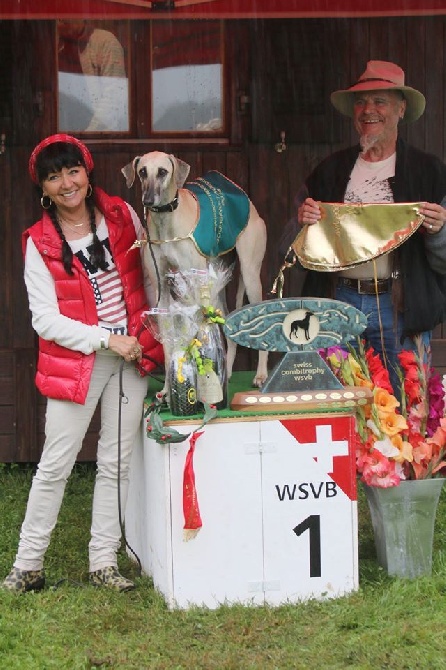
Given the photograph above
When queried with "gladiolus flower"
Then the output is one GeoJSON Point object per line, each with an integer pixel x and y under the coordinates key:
{"type": "Point", "coordinates": [385, 402]}
{"type": "Point", "coordinates": [378, 372]}
{"type": "Point", "coordinates": [407, 359]}
{"type": "Point", "coordinates": [383, 475]}
{"type": "Point", "coordinates": [386, 447]}
{"type": "Point", "coordinates": [422, 452]}
{"type": "Point", "coordinates": [404, 448]}
{"type": "Point", "coordinates": [391, 424]}
{"type": "Point", "coordinates": [412, 389]}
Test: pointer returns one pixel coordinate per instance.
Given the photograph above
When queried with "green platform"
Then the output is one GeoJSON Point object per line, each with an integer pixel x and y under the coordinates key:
{"type": "Point", "coordinates": [239, 382]}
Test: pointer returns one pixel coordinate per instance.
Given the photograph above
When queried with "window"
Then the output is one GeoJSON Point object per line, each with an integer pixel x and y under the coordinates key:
{"type": "Point", "coordinates": [187, 77]}
{"type": "Point", "coordinates": [93, 85]}
{"type": "Point", "coordinates": [180, 93]}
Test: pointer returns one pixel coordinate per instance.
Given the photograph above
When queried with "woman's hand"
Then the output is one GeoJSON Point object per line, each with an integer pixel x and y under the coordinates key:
{"type": "Point", "coordinates": [434, 217]}
{"type": "Point", "coordinates": [126, 346]}
{"type": "Point", "coordinates": [309, 212]}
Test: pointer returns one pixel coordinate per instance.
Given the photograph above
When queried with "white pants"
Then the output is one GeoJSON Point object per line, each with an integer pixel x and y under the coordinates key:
{"type": "Point", "coordinates": [65, 428]}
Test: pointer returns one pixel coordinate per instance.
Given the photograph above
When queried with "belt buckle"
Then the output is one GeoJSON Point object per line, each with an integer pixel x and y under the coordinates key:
{"type": "Point", "coordinates": [358, 287]}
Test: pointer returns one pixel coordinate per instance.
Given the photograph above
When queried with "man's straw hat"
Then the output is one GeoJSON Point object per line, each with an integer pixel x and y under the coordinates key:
{"type": "Point", "coordinates": [381, 75]}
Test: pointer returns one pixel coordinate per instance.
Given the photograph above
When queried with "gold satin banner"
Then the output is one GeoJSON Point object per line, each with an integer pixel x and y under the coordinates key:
{"type": "Point", "coordinates": [349, 234]}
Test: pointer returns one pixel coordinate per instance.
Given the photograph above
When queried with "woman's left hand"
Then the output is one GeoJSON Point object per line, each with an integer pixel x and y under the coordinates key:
{"type": "Point", "coordinates": [434, 217]}
{"type": "Point", "coordinates": [126, 346]}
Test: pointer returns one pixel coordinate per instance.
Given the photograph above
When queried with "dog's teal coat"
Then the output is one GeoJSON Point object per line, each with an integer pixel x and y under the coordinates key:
{"type": "Point", "coordinates": [223, 213]}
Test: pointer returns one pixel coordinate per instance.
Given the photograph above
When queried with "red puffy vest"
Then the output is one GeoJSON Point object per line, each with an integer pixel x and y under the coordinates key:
{"type": "Point", "coordinates": [63, 373]}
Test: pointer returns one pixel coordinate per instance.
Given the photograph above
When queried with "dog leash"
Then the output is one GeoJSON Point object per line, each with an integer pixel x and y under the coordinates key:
{"type": "Point", "coordinates": [174, 239]}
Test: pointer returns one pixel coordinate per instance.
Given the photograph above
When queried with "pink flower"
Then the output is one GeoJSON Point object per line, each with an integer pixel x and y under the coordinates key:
{"type": "Point", "coordinates": [335, 352]}
{"type": "Point", "coordinates": [436, 403]}
{"type": "Point", "coordinates": [381, 473]}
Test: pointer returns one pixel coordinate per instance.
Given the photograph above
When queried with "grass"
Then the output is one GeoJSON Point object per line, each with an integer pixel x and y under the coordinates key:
{"type": "Point", "coordinates": [388, 623]}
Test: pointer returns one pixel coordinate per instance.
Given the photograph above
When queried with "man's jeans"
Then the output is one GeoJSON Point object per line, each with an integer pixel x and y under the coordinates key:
{"type": "Point", "coordinates": [391, 332]}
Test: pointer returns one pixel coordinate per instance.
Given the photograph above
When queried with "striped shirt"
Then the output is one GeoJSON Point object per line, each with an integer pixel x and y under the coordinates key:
{"type": "Point", "coordinates": [106, 284]}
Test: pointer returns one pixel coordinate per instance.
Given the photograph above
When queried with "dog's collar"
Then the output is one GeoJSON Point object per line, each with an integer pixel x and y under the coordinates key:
{"type": "Point", "coordinates": [169, 207]}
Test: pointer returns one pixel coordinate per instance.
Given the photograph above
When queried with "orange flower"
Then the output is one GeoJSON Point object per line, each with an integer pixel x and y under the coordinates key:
{"type": "Point", "coordinates": [404, 447]}
{"type": "Point", "coordinates": [422, 456]}
{"type": "Point", "coordinates": [385, 402]}
{"type": "Point", "coordinates": [422, 452]}
{"type": "Point", "coordinates": [439, 437]}
{"type": "Point", "coordinates": [391, 424]}
{"type": "Point", "coordinates": [365, 383]}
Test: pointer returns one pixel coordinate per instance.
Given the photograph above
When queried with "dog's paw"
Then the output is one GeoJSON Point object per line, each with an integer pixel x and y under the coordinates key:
{"type": "Point", "coordinates": [259, 380]}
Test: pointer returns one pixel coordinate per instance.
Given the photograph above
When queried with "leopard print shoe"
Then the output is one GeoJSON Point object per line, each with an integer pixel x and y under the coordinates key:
{"type": "Point", "coordinates": [20, 581]}
{"type": "Point", "coordinates": [111, 578]}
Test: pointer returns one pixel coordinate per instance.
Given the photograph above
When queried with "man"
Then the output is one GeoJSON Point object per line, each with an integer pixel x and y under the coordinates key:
{"type": "Point", "coordinates": [410, 296]}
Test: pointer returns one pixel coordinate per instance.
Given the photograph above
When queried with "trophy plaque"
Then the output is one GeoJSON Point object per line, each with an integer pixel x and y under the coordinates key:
{"type": "Point", "coordinates": [298, 328]}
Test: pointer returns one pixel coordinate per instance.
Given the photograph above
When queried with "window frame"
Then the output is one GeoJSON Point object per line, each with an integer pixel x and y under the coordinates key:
{"type": "Point", "coordinates": [111, 26]}
{"type": "Point", "coordinates": [138, 54]}
{"type": "Point", "coordinates": [195, 134]}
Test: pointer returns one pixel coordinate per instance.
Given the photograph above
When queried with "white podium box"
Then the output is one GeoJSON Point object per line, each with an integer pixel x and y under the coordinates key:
{"type": "Point", "coordinates": [277, 497]}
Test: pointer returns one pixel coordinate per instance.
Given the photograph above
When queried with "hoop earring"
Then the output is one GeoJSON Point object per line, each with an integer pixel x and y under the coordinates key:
{"type": "Point", "coordinates": [42, 199]}
{"type": "Point", "coordinates": [89, 191]}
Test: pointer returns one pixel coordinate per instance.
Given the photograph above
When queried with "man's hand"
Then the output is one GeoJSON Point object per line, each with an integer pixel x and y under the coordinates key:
{"type": "Point", "coordinates": [434, 217]}
{"type": "Point", "coordinates": [309, 212]}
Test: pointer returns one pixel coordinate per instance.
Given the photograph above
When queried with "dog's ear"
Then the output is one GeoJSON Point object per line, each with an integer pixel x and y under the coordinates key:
{"type": "Point", "coordinates": [129, 171]}
{"type": "Point", "coordinates": [181, 170]}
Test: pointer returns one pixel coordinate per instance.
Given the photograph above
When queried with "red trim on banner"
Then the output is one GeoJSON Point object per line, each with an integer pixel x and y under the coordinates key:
{"type": "Point", "coordinates": [214, 9]}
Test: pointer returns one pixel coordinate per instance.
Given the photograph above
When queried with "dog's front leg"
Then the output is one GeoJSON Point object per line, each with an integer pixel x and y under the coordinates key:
{"type": "Point", "coordinates": [154, 271]}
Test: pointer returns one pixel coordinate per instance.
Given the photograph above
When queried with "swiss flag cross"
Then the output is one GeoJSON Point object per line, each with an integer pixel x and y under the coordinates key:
{"type": "Point", "coordinates": [331, 444]}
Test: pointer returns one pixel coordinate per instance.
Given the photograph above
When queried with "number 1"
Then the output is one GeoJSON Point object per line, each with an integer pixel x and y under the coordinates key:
{"type": "Point", "coordinates": [313, 524]}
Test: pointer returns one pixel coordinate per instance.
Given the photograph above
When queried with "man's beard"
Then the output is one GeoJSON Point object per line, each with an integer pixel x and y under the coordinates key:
{"type": "Point", "coordinates": [367, 142]}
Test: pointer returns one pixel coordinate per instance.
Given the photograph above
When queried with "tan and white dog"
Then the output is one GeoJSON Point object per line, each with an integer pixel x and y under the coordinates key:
{"type": "Point", "coordinates": [172, 215]}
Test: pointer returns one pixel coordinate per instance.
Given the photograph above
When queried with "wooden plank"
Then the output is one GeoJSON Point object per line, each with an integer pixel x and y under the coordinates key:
{"type": "Point", "coordinates": [237, 169]}
{"type": "Point", "coordinates": [7, 451]}
{"type": "Point", "coordinates": [416, 75]}
{"type": "Point", "coordinates": [379, 39]}
{"type": "Point", "coordinates": [214, 161]}
{"type": "Point", "coordinates": [6, 365]}
{"type": "Point", "coordinates": [6, 394]}
{"type": "Point", "coordinates": [237, 64]}
{"type": "Point", "coordinates": [434, 86]}
{"type": "Point", "coordinates": [7, 420]}
{"type": "Point", "coordinates": [439, 354]}
{"type": "Point", "coordinates": [25, 407]}
{"type": "Point", "coordinates": [27, 210]}
{"type": "Point", "coordinates": [6, 273]}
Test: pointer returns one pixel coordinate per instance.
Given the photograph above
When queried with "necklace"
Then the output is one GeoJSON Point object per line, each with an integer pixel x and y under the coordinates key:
{"type": "Point", "coordinates": [72, 223]}
{"type": "Point", "coordinates": [75, 226]}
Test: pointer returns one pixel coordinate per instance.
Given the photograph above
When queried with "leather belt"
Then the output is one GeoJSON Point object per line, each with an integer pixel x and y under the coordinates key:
{"type": "Point", "coordinates": [366, 286]}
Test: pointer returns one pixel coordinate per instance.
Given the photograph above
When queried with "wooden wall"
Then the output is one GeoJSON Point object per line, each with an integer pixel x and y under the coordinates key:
{"type": "Point", "coordinates": [287, 70]}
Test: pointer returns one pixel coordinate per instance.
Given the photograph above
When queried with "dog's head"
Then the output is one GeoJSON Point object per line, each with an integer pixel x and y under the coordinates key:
{"type": "Point", "coordinates": [161, 175]}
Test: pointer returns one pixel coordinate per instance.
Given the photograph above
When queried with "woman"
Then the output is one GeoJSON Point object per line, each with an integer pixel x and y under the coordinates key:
{"type": "Point", "coordinates": [86, 294]}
